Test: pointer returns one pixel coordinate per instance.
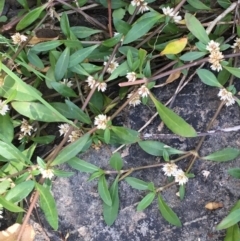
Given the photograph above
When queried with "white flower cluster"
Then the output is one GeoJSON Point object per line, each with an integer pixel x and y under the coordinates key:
{"type": "Point", "coordinates": [170, 12]}
{"type": "Point", "coordinates": [101, 121]}
{"type": "Point", "coordinates": [67, 83]}
{"type": "Point", "coordinates": [236, 45]}
{"type": "Point", "coordinates": [26, 129]}
{"type": "Point", "coordinates": [18, 38]}
{"type": "Point", "coordinates": [226, 96]}
{"type": "Point", "coordinates": [215, 56]}
{"type": "Point", "coordinates": [171, 169]}
{"type": "Point", "coordinates": [112, 65]}
{"type": "Point", "coordinates": [3, 108]}
{"type": "Point", "coordinates": [75, 134]}
{"type": "Point", "coordinates": [46, 173]}
{"type": "Point", "coordinates": [141, 4]}
{"type": "Point", "coordinates": [92, 83]}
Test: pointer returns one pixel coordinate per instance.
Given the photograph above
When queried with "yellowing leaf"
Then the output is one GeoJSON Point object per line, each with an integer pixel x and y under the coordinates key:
{"type": "Point", "coordinates": [173, 77]}
{"type": "Point", "coordinates": [175, 46]}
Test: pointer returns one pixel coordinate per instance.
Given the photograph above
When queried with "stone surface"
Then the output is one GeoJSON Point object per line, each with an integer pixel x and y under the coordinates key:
{"type": "Point", "coordinates": [80, 208]}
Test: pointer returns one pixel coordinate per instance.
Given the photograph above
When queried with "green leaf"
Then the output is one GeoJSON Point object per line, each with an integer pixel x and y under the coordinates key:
{"type": "Point", "coordinates": [198, 5]}
{"type": "Point", "coordinates": [6, 127]}
{"type": "Point", "coordinates": [4, 185]}
{"type": "Point", "coordinates": [20, 191]}
{"type": "Point", "coordinates": [196, 28]}
{"type": "Point", "coordinates": [48, 205]}
{"type": "Point", "coordinates": [208, 78]}
{"type": "Point", "coordinates": [142, 26]}
{"type": "Point", "coordinates": [224, 3]}
{"type": "Point", "coordinates": [103, 191]}
{"type": "Point", "coordinates": [182, 191]}
{"type": "Point", "coordinates": [30, 17]}
{"type": "Point", "coordinates": [231, 219]}
{"type": "Point", "coordinates": [82, 165]}
{"type": "Point", "coordinates": [110, 213]}
{"type": "Point", "coordinates": [2, 3]}
{"type": "Point", "coordinates": [121, 26]}
{"type": "Point", "coordinates": [107, 135]}
{"type": "Point", "coordinates": [80, 55]}
{"type": "Point", "coordinates": [63, 89]}
{"type": "Point", "coordinates": [223, 76]}
{"type": "Point", "coordinates": [35, 60]}
{"type": "Point", "coordinates": [71, 150]}
{"type": "Point", "coordinates": [190, 56]}
{"type": "Point", "coordinates": [79, 114]}
{"type": "Point", "coordinates": [84, 32]}
{"type": "Point", "coordinates": [156, 148]}
{"type": "Point", "coordinates": [234, 71]}
{"type": "Point", "coordinates": [10, 206]}
{"type": "Point", "coordinates": [168, 213]}
{"type": "Point", "coordinates": [123, 135]}
{"type": "Point", "coordinates": [137, 183]}
{"type": "Point", "coordinates": [226, 154]}
{"type": "Point", "coordinates": [43, 139]}
{"type": "Point", "coordinates": [64, 24]}
{"type": "Point", "coordinates": [234, 172]}
{"type": "Point", "coordinates": [116, 161]}
{"type": "Point", "coordinates": [96, 175]}
{"type": "Point", "coordinates": [62, 64]}
{"type": "Point", "coordinates": [112, 41]}
{"type": "Point", "coordinates": [46, 46]}
{"type": "Point", "coordinates": [61, 173]}
{"type": "Point", "coordinates": [146, 201]}
{"type": "Point", "coordinates": [35, 111]}
{"type": "Point", "coordinates": [174, 122]}
{"type": "Point", "coordinates": [233, 233]}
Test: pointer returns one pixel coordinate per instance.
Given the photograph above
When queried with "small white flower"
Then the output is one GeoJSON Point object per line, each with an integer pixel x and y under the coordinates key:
{"type": "Point", "coordinates": [137, 2]}
{"type": "Point", "coordinates": [215, 58]}
{"type": "Point", "coordinates": [74, 135]}
{"type": "Point", "coordinates": [143, 91]}
{"type": "Point", "coordinates": [3, 108]}
{"type": "Point", "coordinates": [25, 128]}
{"type": "Point", "coordinates": [177, 18]}
{"type": "Point", "coordinates": [46, 173]}
{"type": "Point", "coordinates": [169, 169]}
{"type": "Point", "coordinates": [236, 45]}
{"type": "Point", "coordinates": [91, 81]}
{"type": "Point", "coordinates": [205, 173]}
{"type": "Point", "coordinates": [63, 129]}
{"type": "Point", "coordinates": [131, 76]}
{"type": "Point", "coordinates": [67, 83]}
{"type": "Point", "coordinates": [180, 177]}
{"type": "Point", "coordinates": [101, 86]}
{"type": "Point", "coordinates": [143, 8]}
{"type": "Point", "coordinates": [213, 46]}
{"type": "Point", "coordinates": [112, 65]}
{"type": "Point", "coordinates": [135, 101]}
{"type": "Point", "coordinates": [18, 38]}
{"type": "Point", "coordinates": [170, 12]}
{"type": "Point", "coordinates": [226, 96]}
{"type": "Point", "coordinates": [101, 121]}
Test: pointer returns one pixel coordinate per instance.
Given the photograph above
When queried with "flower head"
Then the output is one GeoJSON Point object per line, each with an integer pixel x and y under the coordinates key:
{"type": "Point", "coordinates": [3, 107]}
{"type": "Point", "coordinates": [180, 177]}
{"type": "Point", "coordinates": [101, 121]}
{"type": "Point", "coordinates": [63, 129]}
{"type": "Point", "coordinates": [169, 169]}
{"type": "Point", "coordinates": [143, 91]}
{"type": "Point", "coordinates": [46, 173]}
{"type": "Point", "coordinates": [91, 81]}
{"type": "Point", "coordinates": [112, 65]}
{"type": "Point", "coordinates": [226, 96]}
{"type": "Point", "coordinates": [75, 135]}
{"type": "Point", "coordinates": [18, 38]}
{"type": "Point", "coordinates": [135, 101]}
{"type": "Point", "coordinates": [213, 46]}
{"type": "Point", "coordinates": [215, 58]}
{"type": "Point", "coordinates": [170, 12]}
{"type": "Point", "coordinates": [205, 173]}
{"type": "Point", "coordinates": [101, 86]}
{"type": "Point", "coordinates": [131, 76]}
{"type": "Point", "coordinates": [236, 45]}
{"type": "Point", "coordinates": [25, 128]}
{"type": "Point", "coordinates": [67, 83]}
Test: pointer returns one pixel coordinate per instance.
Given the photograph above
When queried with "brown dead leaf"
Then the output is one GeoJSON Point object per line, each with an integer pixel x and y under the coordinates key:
{"type": "Point", "coordinates": [35, 40]}
{"type": "Point", "coordinates": [11, 233]}
{"type": "Point", "coordinates": [213, 205]}
{"type": "Point", "coordinates": [173, 77]}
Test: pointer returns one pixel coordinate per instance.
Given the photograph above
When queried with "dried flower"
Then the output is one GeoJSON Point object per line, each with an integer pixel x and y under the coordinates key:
{"type": "Point", "coordinates": [205, 173]}
{"type": "Point", "coordinates": [26, 128]}
{"type": "Point", "coordinates": [3, 107]}
{"type": "Point", "coordinates": [135, 101]}
{"type": "Point", "coordinates": [18, 38]}
{"type": "Point", "coordinates": [91, 81]}
{"type": "Point", "coordinates": [63, 129]}
{"type": "Point", "coordinates": [143, 91]}
{"type": "Point", "coordinates": [101, 86]}
{"type": "Point", "coordinates": [67, 83]}
{"type": "Point", "coordinates": [226, 96]}
{"type": "Point", "coordinates": [74, 135]}
{"type": "Point", "coordinates": [131, 76]}
{"type": "Point", "coordinates": [180, 177]}
{"type": "Point", "coordinates": [170, 12]}
{"type": "Point", "coordinates": [101, 121]}
{"type": "Point", "coordinates": [51, 12]}
{"type": "Point", "coordinates": [236, 45]}
{"type": "Point", "coordinates": [169, 169]}
{"type": "Point", "coordinates": [46, 173]}
{"type": "Point", "coordinates": [112, 65]}
{"type": "Point", "coordinates": [213, 46]}
{"type": "Point", "coordinates": [215, 58]}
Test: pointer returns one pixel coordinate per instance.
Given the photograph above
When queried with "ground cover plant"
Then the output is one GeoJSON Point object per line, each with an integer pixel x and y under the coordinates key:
{"type": "Point", "coordinates": [62, 85]}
